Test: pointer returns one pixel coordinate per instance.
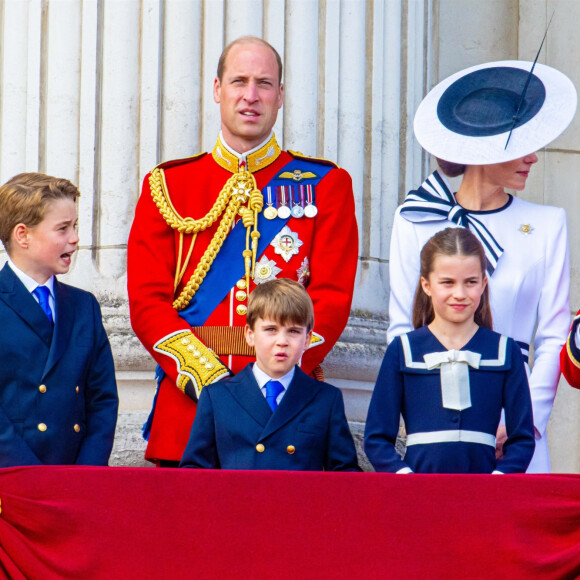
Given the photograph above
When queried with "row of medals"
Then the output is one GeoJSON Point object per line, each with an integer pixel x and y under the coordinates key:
{"type": "Point", "coordinates": [284, 211]}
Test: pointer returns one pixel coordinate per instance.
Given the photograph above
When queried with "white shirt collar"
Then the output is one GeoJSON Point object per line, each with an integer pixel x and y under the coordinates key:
{"type": "Point", "coordinates": [262, 378]}
{"type": "Point", "coordinates": [29, 282]}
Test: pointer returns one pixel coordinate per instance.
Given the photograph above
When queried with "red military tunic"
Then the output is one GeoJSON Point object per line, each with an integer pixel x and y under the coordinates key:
{"type": "Point", "coordinates": [325, 263]}
{"type": "Point", "coordinates": [570, 356]}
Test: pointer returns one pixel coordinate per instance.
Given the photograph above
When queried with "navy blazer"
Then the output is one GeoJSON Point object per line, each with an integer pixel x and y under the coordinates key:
{"type": "Point", "coordinates": [58, 395]}
{"type": "Point", "coordinates": [234, 427]}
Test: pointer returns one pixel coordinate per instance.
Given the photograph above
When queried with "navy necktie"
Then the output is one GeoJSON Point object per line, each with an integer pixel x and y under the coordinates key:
{"type": "Point", "coordinates": [42, 293]}
{"type": "Point", "coordinates": [273, 389]}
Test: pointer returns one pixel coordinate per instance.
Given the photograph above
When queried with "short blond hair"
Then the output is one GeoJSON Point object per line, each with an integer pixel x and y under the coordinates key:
{"type": "Point", "coordinates": [283, 301]}
{"type": "Point", "coordinates": [25, 198]}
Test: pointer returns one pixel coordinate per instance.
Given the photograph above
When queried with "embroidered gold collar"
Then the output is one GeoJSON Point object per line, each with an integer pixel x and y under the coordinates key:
{"type": "Point", "coordinates": [256, 160]}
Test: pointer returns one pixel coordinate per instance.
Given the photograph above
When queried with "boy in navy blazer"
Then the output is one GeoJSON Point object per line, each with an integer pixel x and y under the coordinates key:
{"type": "Point", "coordinates": [272, 415]}
{"type": "Point", "coordinates": [58, 395]}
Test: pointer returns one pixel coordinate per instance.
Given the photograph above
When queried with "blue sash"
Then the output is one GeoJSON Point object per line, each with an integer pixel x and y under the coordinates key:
{"type": "Point", "coordinates": [219, 281]}
{"type": "Point", "coordinates": [228, 266]}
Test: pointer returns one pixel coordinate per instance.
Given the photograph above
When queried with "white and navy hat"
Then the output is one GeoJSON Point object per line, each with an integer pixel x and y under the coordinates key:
{"type": "Point", "coordinates": [468, 117]}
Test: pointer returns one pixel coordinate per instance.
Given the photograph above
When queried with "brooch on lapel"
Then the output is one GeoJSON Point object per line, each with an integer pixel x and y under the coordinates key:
{"type": "Point", "coordinates": [526, 229]}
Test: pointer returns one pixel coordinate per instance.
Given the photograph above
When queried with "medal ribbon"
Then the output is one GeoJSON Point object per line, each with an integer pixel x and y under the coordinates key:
{"type": "Point", "coordinates": [220, 280]}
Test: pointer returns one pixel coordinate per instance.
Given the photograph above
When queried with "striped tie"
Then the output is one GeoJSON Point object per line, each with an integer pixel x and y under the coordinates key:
{"type": "Point", "coordinates": [433, 201]}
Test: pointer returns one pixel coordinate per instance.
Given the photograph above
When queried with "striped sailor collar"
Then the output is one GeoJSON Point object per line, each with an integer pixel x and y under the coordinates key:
{"type": "Point", "coordinates": [253, 160]}
{"type": "Point", "coordinates": [434, 201]}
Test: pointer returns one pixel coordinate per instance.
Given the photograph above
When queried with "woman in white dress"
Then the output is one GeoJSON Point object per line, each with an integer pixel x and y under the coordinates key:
{"type": "Point", "coordinates": [487, 123]}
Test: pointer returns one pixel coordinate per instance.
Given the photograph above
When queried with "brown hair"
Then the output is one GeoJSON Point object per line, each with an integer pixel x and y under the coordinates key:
{"type": "Point", "coordinates": [24, 199]}
{"type": "Point", "coordinates": [247, 40]}
{"type": "Point", "coordinates": [282, 300]}
{"type": "Point", "coordinates": [450, 242]}
{"type": "Point", "coordinates": [450, 169]}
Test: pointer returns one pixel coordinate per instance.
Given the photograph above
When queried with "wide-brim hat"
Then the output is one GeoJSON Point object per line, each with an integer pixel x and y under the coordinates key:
{"type": "Point", "coordinates": [467, 118]}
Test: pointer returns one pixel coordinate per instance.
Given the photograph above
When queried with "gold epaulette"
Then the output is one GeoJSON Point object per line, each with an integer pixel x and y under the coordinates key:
{"type": "Point", "coordinates": [315, 159]}
{"type": "Point", "coordinates": [176, 162]}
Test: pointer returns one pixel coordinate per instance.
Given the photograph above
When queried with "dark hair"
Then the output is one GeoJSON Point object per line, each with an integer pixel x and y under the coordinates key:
{"type": "Point", "coordinates": [25, 198]}
{"type": "Point", "coordinates": [450, 242]}
{"type": "Point", "coordinates": [450, 169]}
{"type": "Point", "coordinates": [247, 40]}
{"type": "Point", "coordinates": [283, 301]}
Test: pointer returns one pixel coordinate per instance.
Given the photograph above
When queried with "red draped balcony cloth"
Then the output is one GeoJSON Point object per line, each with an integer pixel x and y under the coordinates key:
{"type": "Point", "coordinates": [85, 523]}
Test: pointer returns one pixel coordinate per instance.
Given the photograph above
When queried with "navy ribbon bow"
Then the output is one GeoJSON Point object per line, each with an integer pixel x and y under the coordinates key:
{"type": "Point", "coordinates": [434, 201]}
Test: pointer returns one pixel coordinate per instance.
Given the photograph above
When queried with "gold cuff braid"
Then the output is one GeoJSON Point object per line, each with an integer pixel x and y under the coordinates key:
{"type": "Point", "coordinates": [194, 360]}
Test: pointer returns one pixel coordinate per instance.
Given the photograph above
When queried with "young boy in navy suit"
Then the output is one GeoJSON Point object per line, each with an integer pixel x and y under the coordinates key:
{"type": "Point", "coordinates": [58, 395]}
{"type": "Point", "coordinates": [272, 415]}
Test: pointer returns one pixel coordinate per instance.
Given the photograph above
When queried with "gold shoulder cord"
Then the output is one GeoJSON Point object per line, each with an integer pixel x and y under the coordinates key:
{"type": "Point", "coordinates": [239, 188]}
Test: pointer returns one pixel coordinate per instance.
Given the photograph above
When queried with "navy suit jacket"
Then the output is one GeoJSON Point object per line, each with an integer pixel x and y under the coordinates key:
{"type": "Point", "coordinates": [58, 395]}
{"type": "Point", "coordinates": [234, 428]}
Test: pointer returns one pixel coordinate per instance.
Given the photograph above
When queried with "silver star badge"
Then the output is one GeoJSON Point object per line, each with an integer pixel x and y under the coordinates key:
{"type": "Point", "coordinates": [286, 243]}
{"type": "Point", "coordinates": [265, 270]}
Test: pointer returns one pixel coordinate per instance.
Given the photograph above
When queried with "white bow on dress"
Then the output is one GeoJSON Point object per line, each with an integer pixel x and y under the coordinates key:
{"type": "Point", "coordinates": [455, 390]}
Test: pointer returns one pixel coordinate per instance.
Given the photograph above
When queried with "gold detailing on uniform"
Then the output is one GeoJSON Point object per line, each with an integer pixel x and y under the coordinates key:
{"type": "Point", "coordinates": [316, 340]}
{"type": "Point", "coordinates": [241, 284]}
{"type": "Point", "coordinates": [250, 220]}
{"type": "Point", "coordinates": [186, 225]}
{"type": "Point", "coordinates": [195, 361]}
{"type": "Point", "coordinates": [317, 373]}
{"type": "Point", "coordinates": [239, 189]}
{"type": "Point", "coordinates": [264, 156]}
{"type": "Point", "coordinates": [296, 175]}
{"type": "Point", "coordinates": [241, 309]}
{"type": "Point", "coordinates": [225, 340]}
{"type": "Point", "coordinates": [569, 340]}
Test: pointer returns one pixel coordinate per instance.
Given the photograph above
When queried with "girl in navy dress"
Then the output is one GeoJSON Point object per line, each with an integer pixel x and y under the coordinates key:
{"type": "Point", "coordinates": [451, 377]}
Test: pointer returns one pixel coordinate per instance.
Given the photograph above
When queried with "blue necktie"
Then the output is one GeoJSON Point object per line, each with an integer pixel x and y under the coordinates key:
{"type": "Point", "coordinates": [273, 389]}
{"type": "Point", "coordinates": [42, 293]}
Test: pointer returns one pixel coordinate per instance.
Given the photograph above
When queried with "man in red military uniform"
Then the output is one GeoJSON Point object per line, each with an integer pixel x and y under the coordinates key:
{"type": "Point", "coordinates": [570, 355]}
{"type": "Point", "coordinates": [208, 228]}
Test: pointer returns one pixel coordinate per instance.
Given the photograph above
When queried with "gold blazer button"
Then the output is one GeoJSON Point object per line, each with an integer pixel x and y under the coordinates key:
{"type": "Point", "coordinates": [42, 427]}
{"type": "Point", "coordinates": [260, 448]}
{"type": "Point", "coordinates": [77, 428]}
{"type": "Point", "coordinates": [42, 388]}
{"type": "Point", "coordinates": [291, 449]}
